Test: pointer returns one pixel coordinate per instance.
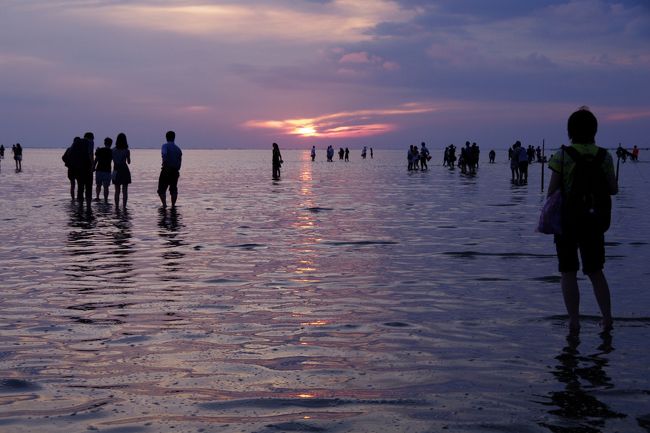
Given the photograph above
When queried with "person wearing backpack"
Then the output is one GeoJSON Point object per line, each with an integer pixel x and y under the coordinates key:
{"type": "Point", "coordinates": [79, 163]}
{"type": "Point", "coordinates": [585, 172]}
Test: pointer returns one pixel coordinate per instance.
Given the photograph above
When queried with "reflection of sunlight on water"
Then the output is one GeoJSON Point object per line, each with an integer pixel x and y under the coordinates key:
{"type": "Point", "coordinates": [344, 295]}
{"type": "Point", "coordinates": [315, 323]}
{"type": "Point", "coordinates": [305, 223]}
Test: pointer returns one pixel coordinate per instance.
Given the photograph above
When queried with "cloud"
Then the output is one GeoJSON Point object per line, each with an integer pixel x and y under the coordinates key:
{"type": "Point", "coordinates": [345, 124]}
{"type": "Point", "coordinates": [627, 116]}
{"type": "Point", "coordinates": [210, 65]}
{"type": "Point", "coordinates": [319, 21]}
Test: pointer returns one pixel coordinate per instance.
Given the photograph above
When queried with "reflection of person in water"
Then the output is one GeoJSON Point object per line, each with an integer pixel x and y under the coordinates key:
{"type": "Point", "coordinates": [170, 226]}
{"type": "Point", "coordinates": [576, 406]}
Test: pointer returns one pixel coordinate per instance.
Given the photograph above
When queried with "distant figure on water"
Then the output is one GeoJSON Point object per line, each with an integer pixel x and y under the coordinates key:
{"type": "Point", "coordinates": [330, 153]}
{"type": "Point", "coordinates": [513, 155]}
{"type": "Point", "coordinates": [276, 160]}
{"type": "Point", "coordinates": [635, 153]}
{"type": "Point", "coordinates": [524, 160]}
{"type": "Point", "coordinates": [372, 154]}
{"type": "Point", "coordinates": [424, 156]}
{"type": "Point", "coordinates": [449, 158]}
{"type": "Point", "coordinates": [2, 151]}
{"type": "Point", "coordinates": [18, 156]}
{"type": "Point", "coordinates": [475, 152]}
{"type": "Point", "coordinates": [122, 173]}
{"type": "Point", "coordinates": [492, 155]}
{"type": "Point", "coordinates": [364, 152]}
{"type": "Point", "coordinates": [172, 159]}
{"type": "Point", "coordinates": [347, 154]}
{"type": "Point", "coordinates": [622, 153]}
{"type": "Point", "coordinates": [412, 158]}
{"type": "Point", "coordinates": [102, 168]}
{"type": "Point", "coordinates": [465, 160]}
{"type": "Point", "coordinates": [313, 153]}
{"type": "Point", "coordinates": [586, 174]}
{"type": "Point", "coordinates": [341, 153]}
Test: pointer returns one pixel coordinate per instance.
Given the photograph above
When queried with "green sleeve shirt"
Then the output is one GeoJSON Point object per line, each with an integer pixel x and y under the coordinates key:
{"type": "Point", "coordinates": [555, 163]}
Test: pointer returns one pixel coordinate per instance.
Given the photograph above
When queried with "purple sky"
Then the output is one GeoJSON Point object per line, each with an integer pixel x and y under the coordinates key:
{"type": "Point", "coordinates": [242, 74]}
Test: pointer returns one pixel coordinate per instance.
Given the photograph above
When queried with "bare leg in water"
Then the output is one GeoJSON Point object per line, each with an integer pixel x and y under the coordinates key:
{"type": "Point", "coordinates": [125, 194]}
{"type": "Point", "coordinates": [571, 295]}
{"type": "Point", "coordinates": [117, 195]}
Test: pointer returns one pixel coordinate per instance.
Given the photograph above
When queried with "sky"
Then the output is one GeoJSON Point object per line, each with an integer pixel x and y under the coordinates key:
{"type": "Point", "coordinates": [379, 73]}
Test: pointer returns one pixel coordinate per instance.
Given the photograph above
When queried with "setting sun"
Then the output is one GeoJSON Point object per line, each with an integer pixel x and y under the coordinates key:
{"type": "Point", "coordinates": [306, 131]}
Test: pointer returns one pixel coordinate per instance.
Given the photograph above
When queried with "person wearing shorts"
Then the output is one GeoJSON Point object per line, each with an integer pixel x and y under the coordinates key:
{"type": "Point", "coordinates": [102, 167]}
{"type": "Point", "coordinates": [584, 244]}
{"type": "Point", "coordinates": [172, 157]}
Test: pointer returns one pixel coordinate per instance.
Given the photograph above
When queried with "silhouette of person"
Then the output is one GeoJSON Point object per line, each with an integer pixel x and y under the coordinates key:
{"type": "Point", "coordinates": [492, 155]}
{"type": "Point", "coordinates": [582, 236]}
{"type": "Point", "coordinates": [2, 151]}
{"type": "Point", "coordinates": [79, 165]}
{"type": "Point", "coordinates": [276, 160]}
{"type": "Point", "coordinates": [424, 156]}
{"type": "Point", "coordinates": [475, 152]}
{"type": "Point", "coordinates": [372, 154]}
{"type": "Point", "coordinates": [347, 154]}
{"type": "Point", "coordinates": [69, 163]}
{"type": "Point", "coordinates": [18, 156]}
{"type": "Point", "coordinates": [524, 161]}
{"type": "Point", "coordinates": [621, 153]}
{"type": "Point", "coordinates": [102, 168]}
{"type": "Point", "coordinates": [341, 153]}
{"type": "Point", "coordinates": [313, 153]}
{"type": "Point", "coordinates": [121, 161]}
{"type": "Point", "coordinates": [86, 183]}
{"type": "Point", "coordinates": [513, 154]}
{"type": "Point", "coordinates": [172, 159]}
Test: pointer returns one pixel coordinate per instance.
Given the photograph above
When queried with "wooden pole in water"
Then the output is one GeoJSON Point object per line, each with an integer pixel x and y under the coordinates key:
{"type": "Point", "coordinates": [543, 159]}
{"type": "Point", "coordinates": [618, 162]}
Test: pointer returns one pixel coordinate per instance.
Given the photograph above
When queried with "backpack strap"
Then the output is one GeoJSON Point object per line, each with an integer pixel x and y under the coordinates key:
{"type": "Point", "coordinates": [574, 154]}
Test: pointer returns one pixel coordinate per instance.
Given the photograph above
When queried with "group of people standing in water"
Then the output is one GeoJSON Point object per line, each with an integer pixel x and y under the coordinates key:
{"type": "Point", "coordinates": [111, 165]}
{"type": "Point", "coordinates": [344, 154]}
{"type": "Point", "coordinates": [417, 158]}
{"type": "Point", "coordinates": [468, 159]}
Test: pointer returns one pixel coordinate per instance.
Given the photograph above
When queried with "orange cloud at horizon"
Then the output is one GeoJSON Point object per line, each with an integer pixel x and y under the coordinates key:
{"type": "Point", "coordinates": [345, 124]}
{"type": "Point", "coordinates": [625, 116]}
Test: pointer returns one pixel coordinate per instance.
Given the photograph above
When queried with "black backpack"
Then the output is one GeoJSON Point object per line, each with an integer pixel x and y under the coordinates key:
{"type": "Point", "coordinates": [588, 205]}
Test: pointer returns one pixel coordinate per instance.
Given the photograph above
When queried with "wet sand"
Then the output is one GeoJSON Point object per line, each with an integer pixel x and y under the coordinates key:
{"type": "Point", "coordinates": [345, 297]}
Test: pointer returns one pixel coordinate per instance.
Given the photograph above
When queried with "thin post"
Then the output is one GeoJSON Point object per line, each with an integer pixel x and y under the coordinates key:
{"type": "Point", "coordinates": [543, 159]}
{"type": "Point", "coordinates": [618, 161]}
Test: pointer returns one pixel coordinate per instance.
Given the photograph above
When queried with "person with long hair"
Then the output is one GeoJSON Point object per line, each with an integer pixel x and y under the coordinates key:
{"type": "Point", "coordinates": [121, 173]}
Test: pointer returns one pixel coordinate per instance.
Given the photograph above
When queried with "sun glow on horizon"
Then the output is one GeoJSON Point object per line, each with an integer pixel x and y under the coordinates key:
{"type": "Point", "coordinates": [345, 124]}
{"type": "Point", "coordinates": [306, 131]}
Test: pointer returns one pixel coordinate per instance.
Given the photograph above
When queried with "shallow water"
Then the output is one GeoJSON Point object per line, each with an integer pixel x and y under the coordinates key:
{"type": "Point", "coordinates": [352, 297]}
